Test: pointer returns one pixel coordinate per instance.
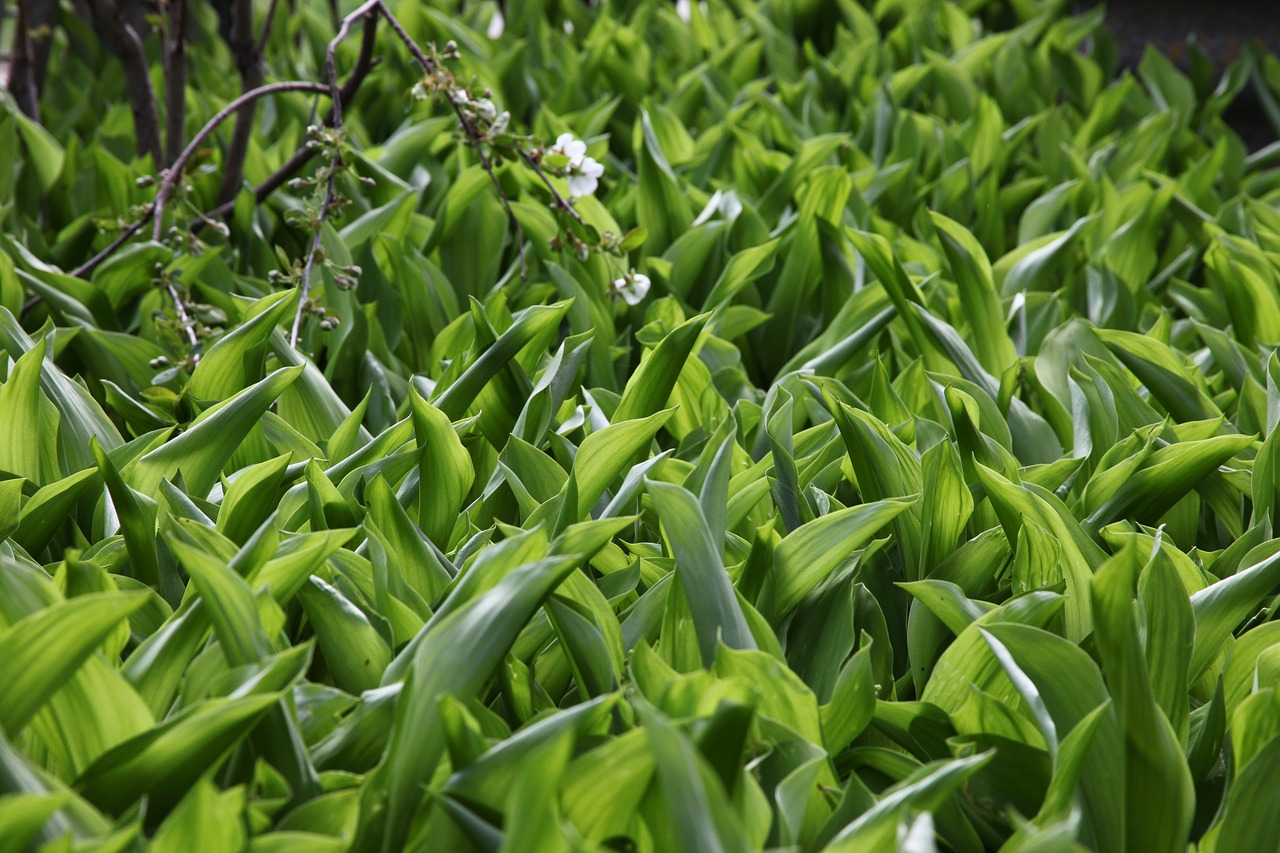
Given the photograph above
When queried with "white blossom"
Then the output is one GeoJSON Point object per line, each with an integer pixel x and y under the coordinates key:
{"type": "Point", "coordinates": [574, 149]}
{"type": "Point", "coordinates": [586, 179]}
{"type": "Point", "coordinates": [485, 109]}
{"type": "Point", "coordinates": [632, 287]}
{"type": "Point", "coordinates": [582, 172]}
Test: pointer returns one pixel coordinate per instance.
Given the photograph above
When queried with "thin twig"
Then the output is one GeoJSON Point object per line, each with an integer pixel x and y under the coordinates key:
{"type": "Point", "coordinates": [335, 96]}
{"type": "Point", "coordinates": [155, 210]}
{"type": "Point", "coordinates": [266, 27]}
{"type": "Point", "coordinates": [174, 173]}
{"type": "Point", "coordinates": [562, 202]}
{"type": "Point", "coordinates": [184, 319]}
{"type": "Point", "coordinates": [365, 62]}
{"type": "Point", "coordinates": [90, 265]}
{"type": "Point", "coordinates": [429, 67]}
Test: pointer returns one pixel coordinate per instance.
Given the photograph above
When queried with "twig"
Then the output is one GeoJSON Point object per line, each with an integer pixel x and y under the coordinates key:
{"type": "Point", "coordinates": [111, 20]}
{"type": "Point", "coordinates": [155, 210]}
{"type": "Point", "coordinates": [184, 319]}
{"type": "Point", "coordinates": [174, 173]}
{"type": "Point", "coordinates": [175, 77]}
{"type": "Point", "coordinates": [90, 265]}
{"type": "Point", "coordinates": [266, 27]}
{"type": "Point", "coordinates": [560, 200]}
{"type": "Point", "coordinates": [335, 96]}
{"type": "Point", "coordinates": [429, 67]}
{"type": "Point", "coordinates": [364, 64]}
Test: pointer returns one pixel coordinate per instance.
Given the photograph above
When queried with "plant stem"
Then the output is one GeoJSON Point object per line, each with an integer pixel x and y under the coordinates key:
{"type": "Point", "coordinates": [335, 96]}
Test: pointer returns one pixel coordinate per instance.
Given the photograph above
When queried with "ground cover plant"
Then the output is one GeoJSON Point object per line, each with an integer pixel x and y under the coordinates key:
{"type": "Point", "coordinates": [634, 426]}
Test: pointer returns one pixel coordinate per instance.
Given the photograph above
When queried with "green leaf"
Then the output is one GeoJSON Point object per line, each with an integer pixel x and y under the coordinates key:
{"type": "Point", "coordinates": [810, 554]}
{"type": "Point", "coordinates": [162, 764]}
{"type": "Point", "coordinates": [237, 359]}
{"type": "Point", "coordinates": [29, 422]}
{"type": "Point", "coordinates": [717, 617]}
{"type": "Point", "coordinates": [201, 453]}
{"type": "Point", "coordinates": [445, 471]}
{"type": "Point", "coordinates": [1158, 791]}
{"type": "Point", "coordinates": [651, 385]}
{"type": "Point", "coordinates": [42, 650]}
{"type": "Point", "coordinates": [354, 652]}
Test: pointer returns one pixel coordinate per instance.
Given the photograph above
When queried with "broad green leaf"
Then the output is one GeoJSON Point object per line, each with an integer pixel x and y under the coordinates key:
{"type": "Point", "coordinates": [44, 649]}
{"type": "Point", "coordinates": [201, 453]}
{"type": "Point", "coordinates": [717, 617]}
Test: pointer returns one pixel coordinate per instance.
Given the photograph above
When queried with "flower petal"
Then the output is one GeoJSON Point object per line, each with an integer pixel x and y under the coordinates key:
{"type": "Point", "coordinates": [637, 290]}
{"type": "Point", "coordinates": [580, 185]}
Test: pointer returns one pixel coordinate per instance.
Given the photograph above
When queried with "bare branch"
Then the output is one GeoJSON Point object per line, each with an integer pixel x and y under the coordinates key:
{"type": "Point", "coordinates": [22, 75]}
{"type": "Point", "coordinates": [175, 79]}
{"type": "Point", "coordinates": [468, 128]}
{"type": "Point", "coordinates": [266, 28]}
{"type": "Point", "coordinates": [364, 64]}
{"type": "Point", "coordinates": [123, 237]}
{"type": "Point", "coordinates": [244, 47]}
{"type": "Point", "coordinates": [174, 173]}
{"type": "Point", "coordinates": [111, 20]}
{"type": "Point", "coordinates": [184, 319]}
{"type": "Point", "coordinates": [368, 10]}
{"type": "Point", "coordinates": [562, 202]}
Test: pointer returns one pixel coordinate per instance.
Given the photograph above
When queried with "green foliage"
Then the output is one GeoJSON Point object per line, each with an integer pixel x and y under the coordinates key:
{"type": "Point", "coordinates": [927, 498]}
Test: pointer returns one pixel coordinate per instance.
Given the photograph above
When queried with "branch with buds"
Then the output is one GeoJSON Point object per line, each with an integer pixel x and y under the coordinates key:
{"type": "Point", "coordinates": [485, 128]}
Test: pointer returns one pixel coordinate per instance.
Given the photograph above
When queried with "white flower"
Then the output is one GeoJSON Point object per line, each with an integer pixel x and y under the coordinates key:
{"type": "Point", "coordinates": [574, 149]}
{"type": "Point", "coordinates": [582, 171]}
{"type": "Point", "coordinates": [485, 109]}
{"type": "Point", "coordinates": [497, 25]}
{"type": "Point", "coordinates": [632, 287]}
{"type": "Point", "coordinates": [586, 179]}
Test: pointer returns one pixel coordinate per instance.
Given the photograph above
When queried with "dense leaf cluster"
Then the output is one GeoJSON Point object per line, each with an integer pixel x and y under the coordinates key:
{"type": "Point", "coordinates": [926, 500]}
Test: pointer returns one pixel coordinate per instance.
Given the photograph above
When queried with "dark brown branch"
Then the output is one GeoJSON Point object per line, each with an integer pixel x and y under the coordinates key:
{"type": "Point", "coordinates": [429, 67]}
{"type": "Point", "coordinates": [155, 210]}
{"type": "Point", "coordinates": [364, 64]}
{"type": "Point", "coordinates": [368, 10]}
{"type": "Point", "coordinates": [22, 74]}
{"type": "Point", "coordinates": [175, 78]}
{"type": "Point", "coordinates": [173, 174]}
{"type": "Point", "coordinates": [123, 237]}
{"type": "Point", "coordinates": [124, 41]}
{"type": "Point", "coordinates": [244, 47]}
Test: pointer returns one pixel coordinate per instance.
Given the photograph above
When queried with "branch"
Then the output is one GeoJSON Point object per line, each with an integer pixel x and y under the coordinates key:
{"type": "Point", "coordinates": [429, 68]}
{"type": "Point", "coordinates": [175, 79]}
{"type": "Point", "coordinates": [90, 265]}
{"type": "Point", "coordinates": [124, 41]}
{"type": "Point", "coordinates": [155, 210]}
{"type": "Point", "coordinates": [364, 64]}
{"type": "Point", "coordinates": [174, 173]}
{"type": "Point", "coordinates": [368, 10]}
{"type": "Point", "coordinates": [22, 76]}
{"type": "Point", "coordinates": [244, 47]}
{"type": "Point", "coordinates": [183, 318]}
